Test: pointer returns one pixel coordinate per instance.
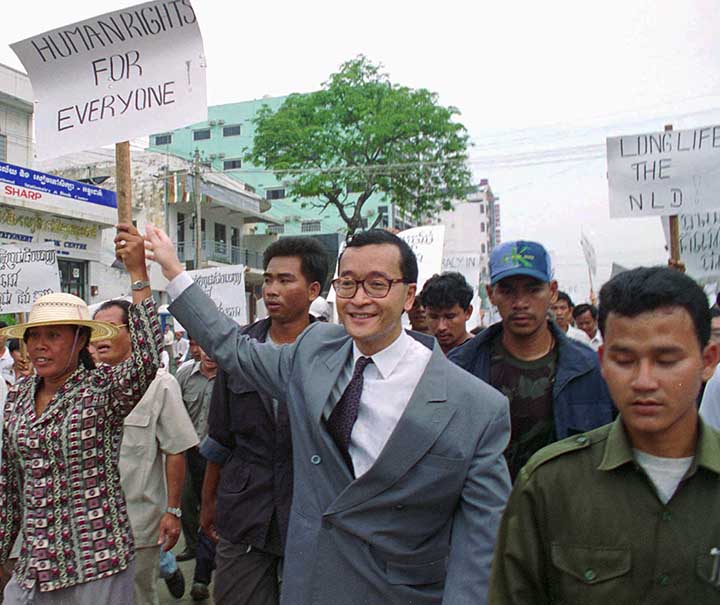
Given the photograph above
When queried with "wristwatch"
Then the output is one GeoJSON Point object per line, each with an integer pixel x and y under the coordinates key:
{"type": "Point", "coordinates": [140, 284]}
{"type": "Point", "coordinates": [174, 511]}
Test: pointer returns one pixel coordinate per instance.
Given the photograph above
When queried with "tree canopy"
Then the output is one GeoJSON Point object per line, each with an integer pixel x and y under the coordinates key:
{"type": "Point", "coordinates": [359, 135]}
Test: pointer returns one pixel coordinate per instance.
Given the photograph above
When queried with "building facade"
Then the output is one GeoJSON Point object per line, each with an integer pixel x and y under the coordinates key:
{"type": "Point", "coordinates": [222, 142]}
{"type": "Point", "coordinates": [163, 194]}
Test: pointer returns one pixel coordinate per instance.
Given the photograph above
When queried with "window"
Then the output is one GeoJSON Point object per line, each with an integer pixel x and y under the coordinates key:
{"type": "Point", "coordinates": [3, 148]}
{"type": "Point", "coordinates": [231, 131]}
{"type": "Point", "coordinates": [235, 237]}
{"type": "Point", "coordinates": [482, 209]}
{"type": "Point", "coordinates": [220, 233]}
{"type": "Point", "coordinates": [310, 227]}
{"type": "Point", "coordinates": [201, 135]}
{"type": "Point", "coordinates": [180, 228]}
{"type": "Point", "coordinates": [276, 193]}
{"type": "Point", "coordinates": [232, 164]}
{"type": "Point", "coordinates": [482, 248]}
{"type": "Point", "coordinates": [482, 227]}
{"type": "Point", "coordinates": [277, 229]}
{"type": "Point", "coordinates": [163, 139]}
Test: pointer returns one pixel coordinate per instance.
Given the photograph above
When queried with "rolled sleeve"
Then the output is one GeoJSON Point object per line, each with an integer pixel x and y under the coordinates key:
{"type": "Point", "coordinates": [214, 451]}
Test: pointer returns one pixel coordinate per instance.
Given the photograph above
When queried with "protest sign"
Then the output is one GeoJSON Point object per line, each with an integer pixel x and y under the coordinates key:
{"type": "Point", "coordinates": [226, 286]}
{"type": "Point", "coordinates": [26, 274]}
{"type": "Point", "coordinates": [427, 244]}
{"type": "Point", "coordinates": [664, 173]}
{"type": "Point", "coordinates": [699, 243]}
{"type": "Point", "coordinates": [467, 264]}
{"type": "Point", "coordinates": [116, 76]}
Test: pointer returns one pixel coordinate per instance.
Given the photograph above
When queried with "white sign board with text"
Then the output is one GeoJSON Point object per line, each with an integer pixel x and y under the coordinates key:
{"type": "Point", "coordinates": [468, 265]}
{"type": "Point", "coordinates": [226, 287]}
{"type": "Point", "coordinates": [116, 76]}
{"type": "Point", "coordinates": [664, 173]}
{"type": "Point", "coordinates": [699, 243]}
{"type": "Point", "coordinates": [26, 274]}
{"type": "Point", "coordinates": [427, 244]}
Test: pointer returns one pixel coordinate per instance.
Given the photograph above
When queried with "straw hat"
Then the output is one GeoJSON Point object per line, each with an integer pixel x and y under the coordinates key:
{"type": "Point", "coordinates": [61, 309]}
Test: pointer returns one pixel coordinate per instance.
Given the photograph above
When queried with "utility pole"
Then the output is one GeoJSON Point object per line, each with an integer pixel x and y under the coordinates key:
{"type": "Point", "coordinates": [198, 209]}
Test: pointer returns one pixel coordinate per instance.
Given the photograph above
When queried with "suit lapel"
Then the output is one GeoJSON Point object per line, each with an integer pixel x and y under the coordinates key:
{"type": "Point", "coordinates": [420, 425]}
{"type": "Point", "coordinates": [322, 376]}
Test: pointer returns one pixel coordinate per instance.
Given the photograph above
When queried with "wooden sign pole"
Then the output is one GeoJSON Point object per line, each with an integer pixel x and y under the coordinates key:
{"type": "Point", "coordinates": [674, 229]}
{"type": "Point", "coordinates": [123, 182]}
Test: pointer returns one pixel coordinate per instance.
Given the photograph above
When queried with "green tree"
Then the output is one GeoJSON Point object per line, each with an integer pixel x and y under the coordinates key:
{"type": "Point", "coordinates": [360, 135]}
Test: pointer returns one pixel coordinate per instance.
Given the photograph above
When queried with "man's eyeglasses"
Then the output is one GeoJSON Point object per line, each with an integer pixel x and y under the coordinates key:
{"type": "Point", "coordinates": [375, 287]}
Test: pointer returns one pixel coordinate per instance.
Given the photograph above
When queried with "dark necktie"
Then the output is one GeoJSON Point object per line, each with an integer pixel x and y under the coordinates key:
{"type": "Point", "coordinates": [343, 417]}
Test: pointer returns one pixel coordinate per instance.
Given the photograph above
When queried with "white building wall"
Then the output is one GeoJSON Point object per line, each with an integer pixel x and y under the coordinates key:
{"type": "Point", "coordinates": [16, 108]}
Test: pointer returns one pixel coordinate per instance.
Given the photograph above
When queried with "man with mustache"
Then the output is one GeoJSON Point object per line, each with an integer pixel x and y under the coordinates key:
{"type": "Point", "coordinates": [553, 383]}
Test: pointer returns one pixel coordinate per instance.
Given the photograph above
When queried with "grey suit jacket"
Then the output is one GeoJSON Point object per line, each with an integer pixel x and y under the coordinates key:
{"type": "Point", "coordinates": [419, 527]}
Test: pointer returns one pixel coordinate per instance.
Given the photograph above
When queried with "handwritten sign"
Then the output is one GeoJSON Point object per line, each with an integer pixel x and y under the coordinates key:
{"type": "Point", "coordinates": [427, 244]}
{"type": "Point", "coordinates": [226, 286]}
{"type": "Point", "coordinates": [664, 173]}
{"type": "Point", "coordinates": [26, 274]}
{"type": "Point", "coordinates": [699, 243]}
{"type": "Point", "coordinates": [469, 265]}
{"type": "Point", "coordinates": [116, 76]}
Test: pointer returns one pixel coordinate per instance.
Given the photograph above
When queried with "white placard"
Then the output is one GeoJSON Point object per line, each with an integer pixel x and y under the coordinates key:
{"type": "Point", "coordinates": [468, 265]}
{"type": "Point", "coordinates": [664, 173]}
{"type": "Point", "coordinates": [427, 244]}
{"type": "Point", "coordinates": [699, 243]}
{"type": "Point", "coordinates": [26, 274]}
{"type": "Point", "coordinates": [226, 286]}
{"type": "Point", "coordinates": [116, 76]}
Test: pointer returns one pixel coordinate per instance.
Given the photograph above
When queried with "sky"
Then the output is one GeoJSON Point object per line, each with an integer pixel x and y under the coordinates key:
{"type": "Point", "coordinates": [539, 87]}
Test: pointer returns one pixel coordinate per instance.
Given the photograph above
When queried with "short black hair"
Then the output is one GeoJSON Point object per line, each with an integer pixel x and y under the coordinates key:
{"type": "Point", "coordinates": [714, 312]}
{"type": "Point", "coordinates": [3, 324]}
{"type": "Point", "coordinates": [647, 289]}
{"type": "Point", "coordinates": [446, 290]}
{"type": "Point", "coordinates": [13, 345]}
{"type": "Point", "coordinates": [121, 303]}
{"type": "Point", "coordinates": [408, 261]}
{"type": "Point", "coordinates": [584, 308]}
{"type": "Point", "coordinates": [566, 297]}
{"type": "Point", "coordinates": [313, 258]}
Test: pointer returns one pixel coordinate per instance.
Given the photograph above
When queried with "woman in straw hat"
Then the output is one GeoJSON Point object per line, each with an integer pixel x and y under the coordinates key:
{"type": "Point", "coordinates": [59, 479]}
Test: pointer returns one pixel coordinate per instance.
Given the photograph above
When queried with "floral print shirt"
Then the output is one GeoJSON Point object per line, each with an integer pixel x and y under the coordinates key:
{"type": "Point", "coordinates": [61, 469]}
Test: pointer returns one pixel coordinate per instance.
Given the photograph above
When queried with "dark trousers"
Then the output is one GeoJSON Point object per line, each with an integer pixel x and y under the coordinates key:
{"type": "Point", "coordinates": [191, 496]}
{"type": "Point", "coordinates": [195, 538]}
{"type": "Point", "coordinates": [245, 575]}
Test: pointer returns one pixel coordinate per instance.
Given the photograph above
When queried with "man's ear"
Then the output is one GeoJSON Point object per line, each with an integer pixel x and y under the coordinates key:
{"type": "Point", "coordinates": [489, 290]}
{"type": "Point", "coordinates": [410, 297]}
{"type": "Point", "coordinates": [468, 312]}
{"type": "Point", "coordinates": [710, 354]}
{"type": "Point", "coordinates": [314, 290]}
{"type": "Point", "coordinates": [553, 292]}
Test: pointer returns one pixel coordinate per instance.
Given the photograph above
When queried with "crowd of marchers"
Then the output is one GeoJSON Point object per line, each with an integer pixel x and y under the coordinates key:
{"type": "Point", "coordinates": [565, 454]}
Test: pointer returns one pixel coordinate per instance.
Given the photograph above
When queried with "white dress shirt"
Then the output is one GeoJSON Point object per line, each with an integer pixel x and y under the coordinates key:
{"type": "Point", "coordinates": [388, 384]}
{"type": "Point", "coordinates": [579, 335]}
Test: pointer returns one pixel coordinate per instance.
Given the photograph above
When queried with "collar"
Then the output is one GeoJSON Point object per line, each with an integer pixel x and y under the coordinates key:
{"type": "Point", "coordinates": [387, 360]}
{"type": "Point", "coordinates": [618, 449]}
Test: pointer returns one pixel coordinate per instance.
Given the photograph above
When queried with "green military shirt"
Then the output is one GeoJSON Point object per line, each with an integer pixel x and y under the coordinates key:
{"type": "Point", "coordinates": [584, 526]}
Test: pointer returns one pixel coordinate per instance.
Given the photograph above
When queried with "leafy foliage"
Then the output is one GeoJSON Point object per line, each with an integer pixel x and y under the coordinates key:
{"type": "Point", "coordinates": [359, 135]}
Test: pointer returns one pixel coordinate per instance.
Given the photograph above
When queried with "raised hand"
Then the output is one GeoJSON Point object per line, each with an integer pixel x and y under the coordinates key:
{"type": "Point", "coordinates": [130, 249]}
{"type": "Point", "coordinates": [160, 248]}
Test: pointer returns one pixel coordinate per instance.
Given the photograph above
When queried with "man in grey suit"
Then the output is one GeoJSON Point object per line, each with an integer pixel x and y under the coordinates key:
{"type": "Point", "coordinates": [399, 475]}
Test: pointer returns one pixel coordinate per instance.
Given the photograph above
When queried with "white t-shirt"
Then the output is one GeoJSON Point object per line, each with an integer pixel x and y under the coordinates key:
{"type": "Point", "coordinates": [579, 335]}
{"type": "Point", "coordinates": [665, 473]}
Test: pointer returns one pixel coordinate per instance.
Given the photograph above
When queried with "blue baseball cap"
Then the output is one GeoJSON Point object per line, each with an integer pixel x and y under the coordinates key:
{"type": "Point", "coordinates": [520, 257]}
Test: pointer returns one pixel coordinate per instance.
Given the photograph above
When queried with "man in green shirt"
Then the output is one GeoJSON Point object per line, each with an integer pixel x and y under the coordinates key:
{"type": "Point", "coordinates": [630, 512]}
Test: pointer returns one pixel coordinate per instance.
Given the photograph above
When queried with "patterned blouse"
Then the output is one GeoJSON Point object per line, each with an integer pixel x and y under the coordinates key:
{"type": "Point", "coordinates": [62, 468]}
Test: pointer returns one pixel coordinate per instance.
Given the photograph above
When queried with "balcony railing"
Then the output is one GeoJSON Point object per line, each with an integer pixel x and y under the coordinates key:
{"type": "Point", "coordinates": [221, 252]}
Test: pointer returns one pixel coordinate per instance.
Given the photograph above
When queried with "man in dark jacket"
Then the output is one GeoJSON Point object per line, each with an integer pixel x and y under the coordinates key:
{"type": "Point", "coordinates": [553, 383]}
{"type": "Point", "coordinates": [248, 482]}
